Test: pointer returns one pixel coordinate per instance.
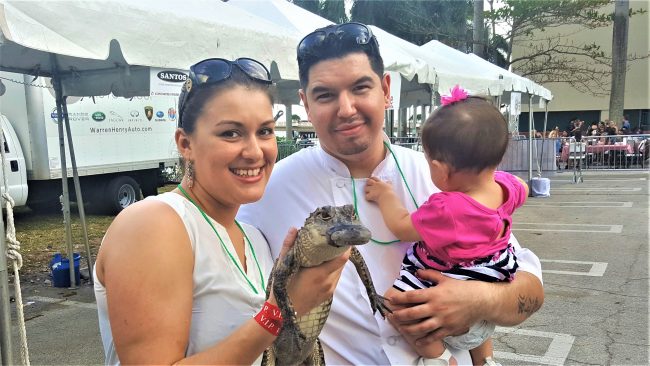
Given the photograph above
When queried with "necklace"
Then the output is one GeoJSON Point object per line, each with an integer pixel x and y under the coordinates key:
{"type": "Point", "coordinates": [401, 173]}
{"type": "Point", "coordinates": [223, 245]}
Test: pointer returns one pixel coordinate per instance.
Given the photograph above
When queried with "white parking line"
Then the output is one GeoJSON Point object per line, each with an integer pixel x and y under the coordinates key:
{"type": "Point", "coordinates": [51, 300]}
{"type": "Point", "coordinates": [597, 268]}
{"type": "Point", "coordinates": [590, 204]}
{"type": "Point", "coordinates": [603, 180]}
{"type": "Point", "coordinates": [618, 189]}
{"type": "Point", "coordinates": [557, 351]}
{"type": "Point", "coordinates": [568, 228]}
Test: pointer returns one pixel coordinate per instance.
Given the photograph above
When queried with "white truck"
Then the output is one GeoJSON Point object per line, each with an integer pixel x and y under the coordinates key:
{"type": "Point", "coordinates": [121, 146]}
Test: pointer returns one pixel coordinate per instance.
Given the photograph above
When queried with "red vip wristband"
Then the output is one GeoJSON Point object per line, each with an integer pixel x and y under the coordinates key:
{"type": "Point", "coordinates": [270, 318]}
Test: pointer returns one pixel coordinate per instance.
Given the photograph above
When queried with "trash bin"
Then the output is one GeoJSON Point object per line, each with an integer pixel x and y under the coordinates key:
{"type": "Point", "coordinates": [61, 270]}
{"type": "Point", "coordinates": [540, 187]}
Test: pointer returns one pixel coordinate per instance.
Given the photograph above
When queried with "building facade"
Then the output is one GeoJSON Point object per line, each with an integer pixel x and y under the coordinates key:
{"type": "Point", "coordinates": [569, 103]}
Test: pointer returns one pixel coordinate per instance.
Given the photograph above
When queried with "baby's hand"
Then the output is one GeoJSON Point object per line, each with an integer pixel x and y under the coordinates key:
{"type": "Point", "coordinates": [375, 188]}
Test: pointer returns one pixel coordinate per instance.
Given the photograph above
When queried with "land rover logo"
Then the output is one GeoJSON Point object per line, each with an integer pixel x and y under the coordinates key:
{"type": "Point", "coordinates": [172, 76]}
{"type": "Point", "coordinates": [98, 116]}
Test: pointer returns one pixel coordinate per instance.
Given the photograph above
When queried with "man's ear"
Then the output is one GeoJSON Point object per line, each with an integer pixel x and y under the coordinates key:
{"type": "Point", "coordinates": [385, 86]}
{"type": "Point", "coordinates": [303, 98]}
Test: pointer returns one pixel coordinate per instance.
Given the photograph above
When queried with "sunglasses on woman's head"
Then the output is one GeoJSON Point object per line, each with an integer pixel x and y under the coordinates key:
{"type": "Point", "coordinates": [353, 32]}
{"type": "Point", "coordinates": [215, 70]}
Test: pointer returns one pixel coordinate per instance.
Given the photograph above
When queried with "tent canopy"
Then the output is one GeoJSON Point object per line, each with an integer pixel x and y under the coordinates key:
{"type": "Point", "coordinates": [398, 55]}
{"type": "Point", "coordinates": [475, 74]}
{"type": "Point", "coordinates": [113, 49]}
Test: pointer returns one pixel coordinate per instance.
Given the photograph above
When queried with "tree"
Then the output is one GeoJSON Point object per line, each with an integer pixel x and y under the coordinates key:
{"type": "Point", "coordinates": [619, 56]}
{"type": "Point", "coordinates": [549, 53]}
{"type": "Point", "coordinates": [419, 21]}
{"type": "Point", "coordinates": [478, 27]}
{"type": "Point", "coordinates": [333, 10]}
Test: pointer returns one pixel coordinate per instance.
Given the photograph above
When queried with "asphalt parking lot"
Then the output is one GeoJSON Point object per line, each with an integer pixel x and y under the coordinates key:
{"type": "Point", "coordinates": [592, 239]}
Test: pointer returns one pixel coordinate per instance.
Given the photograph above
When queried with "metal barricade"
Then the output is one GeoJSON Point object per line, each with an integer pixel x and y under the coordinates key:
{"type": "Point", "coordinates": [609, 152]}
{"type": "Point", "coordinates": [516, 158]}
{"type": "Point", "coordinates": [410, 142]}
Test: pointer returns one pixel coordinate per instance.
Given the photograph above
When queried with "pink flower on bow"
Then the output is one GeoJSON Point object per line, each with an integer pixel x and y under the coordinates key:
{"type": "Point", "coordinates": [457, 94]}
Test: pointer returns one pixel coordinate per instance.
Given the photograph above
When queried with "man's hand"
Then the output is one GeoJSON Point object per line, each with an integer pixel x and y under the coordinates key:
{"type": "Point", "coordinates": [452, 306]}
{"type": "Point", "coordinates": [449, 308]}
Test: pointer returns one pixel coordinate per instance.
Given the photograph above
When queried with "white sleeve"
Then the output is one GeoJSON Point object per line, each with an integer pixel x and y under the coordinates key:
{"type": "Point", "coordinates": [526, 259]}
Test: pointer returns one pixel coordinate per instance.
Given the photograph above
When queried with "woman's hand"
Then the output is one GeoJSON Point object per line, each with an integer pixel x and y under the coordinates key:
{"type": "Point", "coordinates": [310, 287]}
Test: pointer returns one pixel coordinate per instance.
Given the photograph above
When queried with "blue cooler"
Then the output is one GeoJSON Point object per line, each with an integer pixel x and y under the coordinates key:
{"type": "Point", "coordinates": [61, 270]}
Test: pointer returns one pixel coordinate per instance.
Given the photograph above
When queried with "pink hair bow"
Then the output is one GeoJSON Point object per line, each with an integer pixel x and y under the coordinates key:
{"type": "Point", "coordinates": [457, 94]}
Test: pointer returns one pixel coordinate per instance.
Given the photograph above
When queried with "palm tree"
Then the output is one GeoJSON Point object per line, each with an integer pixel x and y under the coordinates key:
{"type": "Point", "coordinates": [619, 59]}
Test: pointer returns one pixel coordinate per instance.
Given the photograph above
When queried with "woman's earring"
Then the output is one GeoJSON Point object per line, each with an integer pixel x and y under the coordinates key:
{"type": "Point", "coordinates": [189, 173]}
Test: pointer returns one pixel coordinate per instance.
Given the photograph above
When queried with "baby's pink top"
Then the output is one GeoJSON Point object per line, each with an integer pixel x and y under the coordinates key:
{"type": "Point", "coordinates": [457, 229]}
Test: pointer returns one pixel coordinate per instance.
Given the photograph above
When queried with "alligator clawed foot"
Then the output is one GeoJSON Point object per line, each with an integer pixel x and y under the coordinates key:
{"type": "Point", "coordinates": [379, 304]}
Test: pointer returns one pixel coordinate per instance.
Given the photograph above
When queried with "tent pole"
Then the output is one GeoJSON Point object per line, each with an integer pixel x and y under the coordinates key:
{"type": "Point", "coordinates": [530, 141]}
{"type": "Point", "coordinates": [77, 188]}
{"type": "Point", "coordinates": [289, 121]}
{"type": "Point", "coordinates": [56, 82]}
{"type": "Point", "coordinates": [544, 134]}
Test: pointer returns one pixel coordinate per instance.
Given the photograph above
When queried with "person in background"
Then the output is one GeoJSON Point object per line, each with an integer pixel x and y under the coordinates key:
{"type": "Point", "coordinates": [345, 93]}
{"type": "Point", "coordinates": [178, 279]}
{"type": "Point", "coordinates": [626, 123]}
{"type": "Point", "coordinates": [577, 131]}
{"type": "Point", "coordinates": [463, 231]}
{"type": "Point", "coordinates": [555, 134]}
{"type": "Point", "coordinates": [611, 130]}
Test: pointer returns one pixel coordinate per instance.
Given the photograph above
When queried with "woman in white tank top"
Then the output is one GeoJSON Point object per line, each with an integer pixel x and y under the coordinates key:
{"type": "Point", "coordinates": [178, 279]}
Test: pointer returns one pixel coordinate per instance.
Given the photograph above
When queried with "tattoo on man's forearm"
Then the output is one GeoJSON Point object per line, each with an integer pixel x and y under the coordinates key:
{"type": "Point", "coordinates": [528, 305]}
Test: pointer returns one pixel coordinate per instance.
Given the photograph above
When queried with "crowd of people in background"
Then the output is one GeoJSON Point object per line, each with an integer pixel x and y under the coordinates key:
{"type": "Point", "coordinates": [605, 132]}
{"type": "Point", "coordinates": [601, 133]}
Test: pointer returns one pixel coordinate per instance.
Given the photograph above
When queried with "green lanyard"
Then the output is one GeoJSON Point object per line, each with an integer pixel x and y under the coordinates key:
{"type": "Point", "coordinates": [223, 245]}
{"type": "Point", "coordinates": [354, 195]}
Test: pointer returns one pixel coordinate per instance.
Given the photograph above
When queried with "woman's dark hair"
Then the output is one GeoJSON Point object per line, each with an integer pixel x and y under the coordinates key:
{"type": "Point", "coordinates": [201, 94]}
{"type": "Point", "coordinates": [467, 135]}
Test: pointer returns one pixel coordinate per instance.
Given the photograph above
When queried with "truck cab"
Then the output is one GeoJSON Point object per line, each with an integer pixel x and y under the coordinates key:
{"type": "Point", "coordinates": [14, 165]}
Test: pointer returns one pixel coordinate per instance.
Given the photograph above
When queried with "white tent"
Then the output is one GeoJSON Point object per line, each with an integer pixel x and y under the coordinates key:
{"type": "Point", "coordinates": [95, 48]}
{"type": "Point", "coordinates": [398, 55]}
{"type": "Point", "coordinates": [111, 43]}
{"type": "Point", "coordinates": [513, 81]}
{"type": "Point", "coordinates": [476, 74]}
{"type": "Point", "coordinates": [453, 67]}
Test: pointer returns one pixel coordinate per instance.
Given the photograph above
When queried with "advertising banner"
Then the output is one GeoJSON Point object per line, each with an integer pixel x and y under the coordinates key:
{"type": "Point", "coordinates": [166, 82]}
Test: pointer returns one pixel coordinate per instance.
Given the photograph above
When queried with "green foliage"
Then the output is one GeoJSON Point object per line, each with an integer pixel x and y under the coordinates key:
{"type": "Point", "coordinates": [419, 21]}
{"type": "Point", "coordinates": [295, 118]}
{"type": "Point", "coordinates": [333, 10]}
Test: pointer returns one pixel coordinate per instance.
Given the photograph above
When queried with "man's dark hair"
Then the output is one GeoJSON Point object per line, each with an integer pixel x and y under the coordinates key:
{"type": "Point", "coordinates": [469, 135]}
{"type": "Point", "coordinates": [335, 46]}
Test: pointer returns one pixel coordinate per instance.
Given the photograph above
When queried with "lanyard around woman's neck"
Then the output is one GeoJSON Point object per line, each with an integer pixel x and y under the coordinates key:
{"type": "Point", "coordinates": [408, 188]}
{"type": "Point", "coordinates": [223, 245]}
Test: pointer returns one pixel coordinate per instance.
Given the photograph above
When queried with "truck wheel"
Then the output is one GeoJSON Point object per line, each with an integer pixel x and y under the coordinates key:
{"type": "Point", "coordinates": [121, 192]}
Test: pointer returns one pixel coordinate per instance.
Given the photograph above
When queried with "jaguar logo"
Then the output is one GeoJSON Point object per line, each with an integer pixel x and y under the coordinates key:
{"type": "Point", "coordinates": [148, 112]}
